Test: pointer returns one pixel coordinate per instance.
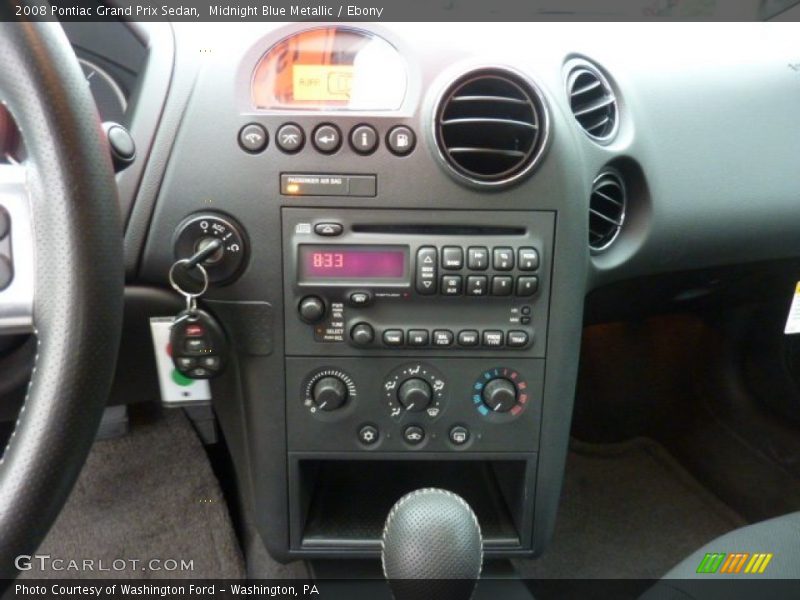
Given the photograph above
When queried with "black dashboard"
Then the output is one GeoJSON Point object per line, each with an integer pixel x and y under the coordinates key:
{"type": "Point", "coordinates": [411, 217]}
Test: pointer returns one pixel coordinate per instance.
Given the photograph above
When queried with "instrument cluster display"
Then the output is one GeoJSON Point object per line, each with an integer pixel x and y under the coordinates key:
{"type": "Point", "coordinates": [330, 68]}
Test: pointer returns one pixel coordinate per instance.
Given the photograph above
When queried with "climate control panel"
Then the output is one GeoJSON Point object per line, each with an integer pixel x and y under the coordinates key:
{"type": "Point", "coordinates": [439, 405]}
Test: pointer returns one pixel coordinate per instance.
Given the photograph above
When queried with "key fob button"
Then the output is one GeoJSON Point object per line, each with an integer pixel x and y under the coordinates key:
{"type": "Point", "coordinates": [199, 346]}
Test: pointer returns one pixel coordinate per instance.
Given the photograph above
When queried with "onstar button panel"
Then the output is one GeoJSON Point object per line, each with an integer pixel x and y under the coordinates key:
{"type": "Point", "coordinates": [297, 184]}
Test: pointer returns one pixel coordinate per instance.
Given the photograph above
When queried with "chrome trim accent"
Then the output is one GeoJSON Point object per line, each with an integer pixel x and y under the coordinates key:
{"type": "Point", "coordinates": [16, 301]}
{"type": "Point", "coordinates": [619, 181]}
{"type": "Point", "coordinates": [575, 67]}
{"type": "Point", "coordinates": [112, 83]}
{"type": "Point", "coordinates": [544, 125]}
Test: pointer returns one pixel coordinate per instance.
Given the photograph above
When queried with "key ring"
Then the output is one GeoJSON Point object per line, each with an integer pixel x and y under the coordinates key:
{"type": "Point", "coordinates": [191, 298]}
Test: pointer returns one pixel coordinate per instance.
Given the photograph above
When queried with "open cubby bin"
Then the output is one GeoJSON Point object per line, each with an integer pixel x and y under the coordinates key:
{"type": "Point", "coordinates": [343, 504]}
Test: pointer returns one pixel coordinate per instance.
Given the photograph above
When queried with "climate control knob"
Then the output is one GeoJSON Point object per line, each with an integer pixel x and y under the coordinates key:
{"type": "Point", "coordinates": [500, 395]}
{"type": "Point", "coordinates": [329, 393]}
{"type": "Point", "coordinates": [415, 395]}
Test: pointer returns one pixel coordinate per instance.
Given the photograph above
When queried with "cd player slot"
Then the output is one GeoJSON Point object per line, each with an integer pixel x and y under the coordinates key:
{"type": "Point", "coordinates": [438, 229]}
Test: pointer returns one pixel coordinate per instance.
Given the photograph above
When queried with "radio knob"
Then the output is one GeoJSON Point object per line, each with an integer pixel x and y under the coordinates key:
{"type": "Point", "coordinates": [362, 334]}
{"type": "Point", "coordinates": [500, 395]}
{"type": "Point", "coordinates": [329, 393]}
{"type": "Point", "coordinates": [415, 395]}
{"type": "Point", "coordinates": [311, 309]}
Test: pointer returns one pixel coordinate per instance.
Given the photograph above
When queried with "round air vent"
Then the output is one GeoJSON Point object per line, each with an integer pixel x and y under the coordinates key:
{"type": "Point", "coordinates": [606, 209]}
{"type": "Point", "coordinates": [491, 126]}
{"type": "Point", "coordinates": [592, 101]}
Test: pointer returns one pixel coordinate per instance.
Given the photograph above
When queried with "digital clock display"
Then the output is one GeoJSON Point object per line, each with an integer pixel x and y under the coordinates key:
{"type": "Point", "coordinates": [355, 263]}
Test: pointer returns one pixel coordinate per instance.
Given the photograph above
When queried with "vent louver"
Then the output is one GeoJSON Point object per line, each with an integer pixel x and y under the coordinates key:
{"type": "Point", "coordinates": [606, 209]}
{"type": "Point", "coordinates": [592, 102]}
{"type": "Point", "coordinates": [491, 126]}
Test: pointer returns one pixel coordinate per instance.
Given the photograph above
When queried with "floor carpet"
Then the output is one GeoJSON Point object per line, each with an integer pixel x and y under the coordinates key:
{"type": "Point", "coordinates": [148, 495]}
{"type": "Point", "coordinates": [628, 510]}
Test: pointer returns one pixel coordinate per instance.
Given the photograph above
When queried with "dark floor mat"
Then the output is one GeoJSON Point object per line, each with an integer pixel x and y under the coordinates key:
{"type": "Point", "coordinates": [628, 510]}
{"type": "Point", "coordinates": [148, 495]}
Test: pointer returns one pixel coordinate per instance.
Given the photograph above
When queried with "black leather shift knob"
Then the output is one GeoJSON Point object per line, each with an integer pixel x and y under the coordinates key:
{"type": "Point", "coordinates": [432, 547]}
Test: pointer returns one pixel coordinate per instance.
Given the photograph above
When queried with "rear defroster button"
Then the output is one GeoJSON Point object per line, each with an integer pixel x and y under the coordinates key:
{"type": "Point", "coordinates": [459, 435]}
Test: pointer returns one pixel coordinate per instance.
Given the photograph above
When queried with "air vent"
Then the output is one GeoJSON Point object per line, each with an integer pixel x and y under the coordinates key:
{"type": "Point", "coordinates": [592, 102]}
{"type": "Point", "coordinates": [491, 127]}
{"type": "Point", "coordinates": [606, 209]}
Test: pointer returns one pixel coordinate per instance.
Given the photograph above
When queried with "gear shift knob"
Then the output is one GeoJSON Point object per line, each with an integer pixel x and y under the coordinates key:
{"type": "Point", "coordinates": [432, 547]}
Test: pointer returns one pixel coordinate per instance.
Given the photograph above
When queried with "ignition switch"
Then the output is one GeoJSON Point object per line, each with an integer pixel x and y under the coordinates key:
{"type": "Point", "coordinates": [201, 229]}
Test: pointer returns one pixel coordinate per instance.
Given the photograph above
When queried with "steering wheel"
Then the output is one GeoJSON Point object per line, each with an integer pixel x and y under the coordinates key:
{"type": "Point", "coordinates": [63, 245]}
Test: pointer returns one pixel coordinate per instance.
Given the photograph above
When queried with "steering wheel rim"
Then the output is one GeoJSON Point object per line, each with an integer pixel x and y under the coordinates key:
{"type": "Point", "coordinates": [77, 278]}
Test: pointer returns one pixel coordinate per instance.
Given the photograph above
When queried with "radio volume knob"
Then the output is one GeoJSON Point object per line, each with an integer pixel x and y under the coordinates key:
{"type": "Point", "coordinates": [362, 334]}
{"type": "Point", "coordinates": [311, 309]}
{"type": "Point", "coordinates": [329, 393]}
{"type": "Point", "coordinates": [500, 395]}
{"type": "Point", "coordinates": [415, 395]}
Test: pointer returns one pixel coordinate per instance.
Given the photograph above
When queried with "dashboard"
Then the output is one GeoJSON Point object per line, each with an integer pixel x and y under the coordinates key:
{"type": "Point", "coordinates": [411, 218]}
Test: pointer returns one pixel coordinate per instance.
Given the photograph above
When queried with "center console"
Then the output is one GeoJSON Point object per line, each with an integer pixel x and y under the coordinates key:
{"type": "Point", "coordinates": [403, 301]}
{"type": "Point", "coordinates": [408, 335]}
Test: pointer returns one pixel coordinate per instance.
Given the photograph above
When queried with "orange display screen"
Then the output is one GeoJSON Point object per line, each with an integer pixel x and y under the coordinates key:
{"type": "Point", "coordinates": [333, 68]}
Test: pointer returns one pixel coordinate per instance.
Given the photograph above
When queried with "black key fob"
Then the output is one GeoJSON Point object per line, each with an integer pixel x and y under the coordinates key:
{"type": "Point", "coordinates": [198, 344]}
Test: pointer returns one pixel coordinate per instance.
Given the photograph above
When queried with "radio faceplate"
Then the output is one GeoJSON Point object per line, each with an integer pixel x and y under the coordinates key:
{"type": "Point", "coordinates": [416, 283]}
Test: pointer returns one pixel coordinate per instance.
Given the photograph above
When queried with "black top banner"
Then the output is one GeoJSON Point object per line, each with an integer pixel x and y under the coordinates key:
{"type": "Point", "coordinates": [394, 10]}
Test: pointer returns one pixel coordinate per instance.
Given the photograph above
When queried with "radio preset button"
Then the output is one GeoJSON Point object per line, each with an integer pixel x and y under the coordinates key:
{"type": "Point", "coordinates": [502, 285]}
{"type": "Point", "coordinates": [393, 337]}
{"type": "Point", "coordinates": [328, 229]}
{"type": "Point", "coordinates": [517, 339]}
{"type": "Point", "coordinates": [418, 337]}
{"type": "Point", "coordinates": [327, 138]}
{"type": "Point", "coordinates": [503, 259]}
{"type": "Point", "coordinates": [477, 258]}
{"type": "Point", "coordinates": [451, 285]}
{"type": "Point", "coordinates": [452, 258]}
{"type": "Point", "coordinates": [493, 339]}
{"type": "Point", "coordinates": [442, 337]}
{"type": "Point", "coordinates": [362, 334]}
{"type": "Point", "coordinates": [468, 337]}
{"type": "Point", "coordinates": [476, 285]}
{"type": "Point", "coordinates": [360, 299]}
{"type": "Point", "coordinates": [528, 259]}
{"type": "Point", "coordinates": [527, 286]}
{"type": "Point", "coordinates": [364, 139]}
{"type": "Point", "coordinates": [427, 270]}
